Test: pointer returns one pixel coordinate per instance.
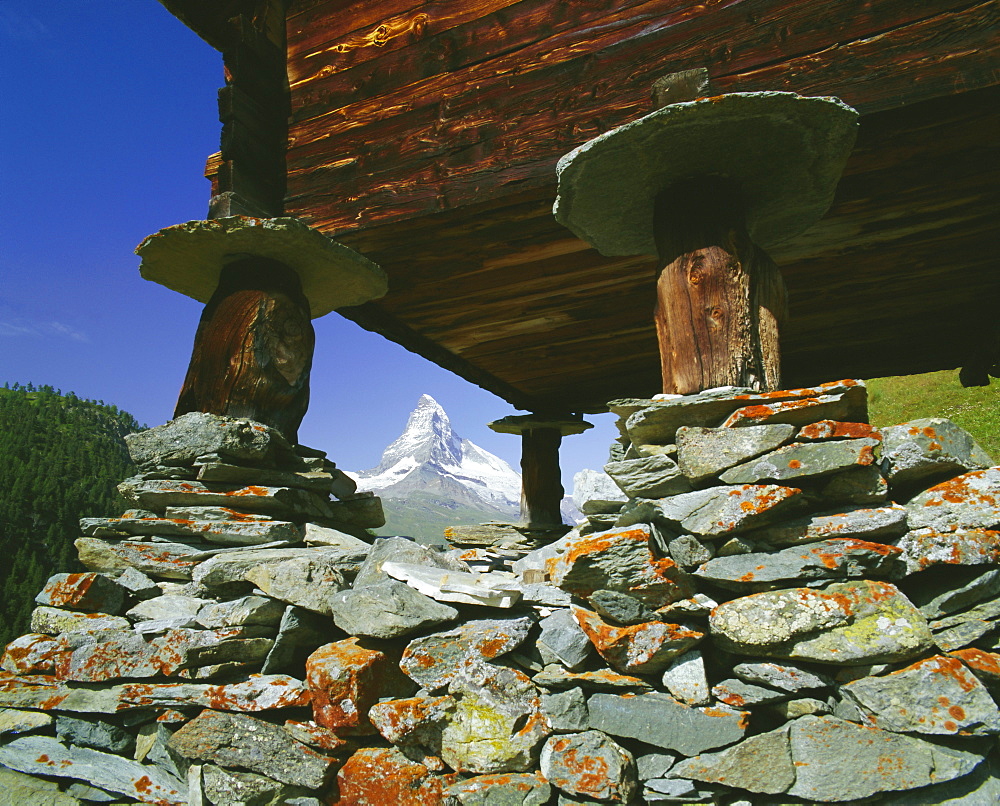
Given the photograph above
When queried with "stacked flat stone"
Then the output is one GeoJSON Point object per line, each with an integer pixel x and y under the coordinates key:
{"type": "Point", "coordinates": [779, 605]}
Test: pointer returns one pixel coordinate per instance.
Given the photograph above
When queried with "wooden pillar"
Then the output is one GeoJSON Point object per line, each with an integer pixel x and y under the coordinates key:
{"type": "Point", "coordinates": [253, 348]}
{"type": "Point", "coordinates": [541, 478]}
{"type": "Point", "coordinates": [720, 298]}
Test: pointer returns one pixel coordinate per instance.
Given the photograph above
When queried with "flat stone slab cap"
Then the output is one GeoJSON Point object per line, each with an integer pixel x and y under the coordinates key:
{"type": "Point", "coordinates": [787, 152]}
{"type": "Point", "coordinates": [519, 423]}
{"type": "Point", "coordinates": [189, 258]}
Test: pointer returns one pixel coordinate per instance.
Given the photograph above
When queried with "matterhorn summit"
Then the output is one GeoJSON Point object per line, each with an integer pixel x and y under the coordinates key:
{"type": "Point", "coordinates": [430, 478]}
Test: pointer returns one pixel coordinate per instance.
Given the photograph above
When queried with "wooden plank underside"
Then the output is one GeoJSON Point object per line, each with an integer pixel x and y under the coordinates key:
{"type": "Point", "coordinates": [401, 135]}
{"type": "Point", "coordinates": [898, 276]}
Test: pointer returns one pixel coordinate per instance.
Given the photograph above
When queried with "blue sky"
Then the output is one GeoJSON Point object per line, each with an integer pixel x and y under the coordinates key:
{"type": "Point", "coordinates": [107, 113]}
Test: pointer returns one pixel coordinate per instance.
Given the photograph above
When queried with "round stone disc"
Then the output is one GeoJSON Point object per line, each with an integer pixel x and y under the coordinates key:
{"type": "Point", "coordinates": [189, 257]}
{"type": "Point", "coordinates": [785, 150]}
{"type": "Point", "coordinates": [519, 423]}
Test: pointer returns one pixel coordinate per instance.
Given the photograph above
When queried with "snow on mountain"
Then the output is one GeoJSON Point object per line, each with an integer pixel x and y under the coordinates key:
{"type": "Point", "coordinates": [430, 456]}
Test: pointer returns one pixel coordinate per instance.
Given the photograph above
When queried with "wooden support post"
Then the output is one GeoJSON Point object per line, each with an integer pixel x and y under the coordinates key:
{"type": "Point", "coordinates": [720, 298]}
{"type": "Point", "coordinates": [541, 478]}
{"type": "Point", "coordinates": [253, 349]}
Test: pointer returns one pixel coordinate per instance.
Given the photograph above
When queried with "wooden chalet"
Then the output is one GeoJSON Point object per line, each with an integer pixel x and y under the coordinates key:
{"type": "Point", "coordinates": [425, 134]}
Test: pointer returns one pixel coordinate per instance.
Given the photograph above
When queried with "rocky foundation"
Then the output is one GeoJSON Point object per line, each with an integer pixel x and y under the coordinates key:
{"type": "Point", "coordinates": [771, 603]}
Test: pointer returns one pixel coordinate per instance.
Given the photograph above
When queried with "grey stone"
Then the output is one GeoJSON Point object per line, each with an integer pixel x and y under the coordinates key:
{"type": "Point", "coordinates": [238, 740]}
{"type": "Point", "coordinates": [169, 606]}
{"type": "Point", "coordinates": [785, 676]}
{"type": "Point", "coordinates": [90, 794]}
{"type": "Point", "coordinates": [318, 481]}
{"type": "Point", "coordinates": [705, 452]}
{"type": "Point", "coordinates": [650, 422]}
{"type": "Point", "coordinates": [804, 460]}
{"type": "Point", "coordinates": [182, 440]}
{"type": "Point", "coordinates": [787, 151]}
{"type": "Point", "coordinates": [724, 510]}
{"type": "Point", "coordinates": [43, 755]}
{"type": "Point", "coordinates": [434, 660]}
{"type": "Point", "coordinates": [555, 677]}
{"type": "Point", "coordinates": [942, 596]}
{"type": "Point", "coordinates": [137, 584]}
{"type": "Point", "coordinates": [246, 611]}
{"type": "Point", "coordinates": [929, 448]}
{"type": "Point", "coordinates": [497, 724]}
{"type": "Point", "coordinates": [739, 694]}
{"type": "Point", "coordinates": [225, 787]}
{"type": "Point", "coordinates": [307, 577]}
{"type": "Point", "coordinates": [563, 641]}
{"type": "Point", "coordinates": [93, 733]}
{"type": "Point", "coordinates": [54, 621]}
{"type": "Point", "coordinates": [649, 477]}
{"type": "Point", "coordinates": [961, 629]}
{"type": "Point", "coordinates": [653, 765]}
{"type": "Point", "coordinates": [881, 524]}
{"type": "Point", "coordinates": [662, 721]}
{"type": "Point", "coordinates": [566, 711]}
{"type": "Point", "coordinates": [686, 680]}
{"type": "Point", "coordinates": [568, 762]}
{"type": "Point", "coordinates": [13, 722]}
{"type": "Point", "coordinates": [357, 511]}
{"type": "Point", "coordinates": [688, 551]}
{"type": "Point", "coordinates": [492, 589]}
{"type": "Point", "coordinates": [17, 789]}
{"type": "Point", "coordinates": [673, 790]}
{"type": "Point", "coordinates": [879, 761]}
{"type": "Point", "coordinates": [924, 548]}
{"type": "Point", "coordinates": [697, 606]}
{"type": "Point", "coordinates": [595, 492]}
{"type": "Point", "coordinates": [157, 559]}
{"type": "Point", "coordinates": [401, 550]}
{"type": "Point", "coordinates": [387, 609]}
{"type": "Point", "coordinates": [979, 787]}
{"type": "Point", "coordinates": [620, 608]}
{"type": "Point", "coordinates": [235, 531]}
{"type": "Point", "coordinates": [862, 486]}
{"type": "Point", "coordinates": [969, 501]}
{"type": "Point", "coordinates": [287, 503]}
{"type": "Point", "coordinates": [840, 558]}
{"type": "Point", "coordinates": [803, 706]}
{"type": "Point", "coordinates": [761, 763]}
{"type": "Point", "coordinates": [316, 535]}
{"type": "Point", "coordinates": [847, 623]}
{"type": "Point", "coordinates": [505, 789]}
{"type": "Point", "coordinates": [935, 695]}
{"type": "Point", "coordinates": [300, 632]}
{"type": "Point", "coordinates": [619, 560]}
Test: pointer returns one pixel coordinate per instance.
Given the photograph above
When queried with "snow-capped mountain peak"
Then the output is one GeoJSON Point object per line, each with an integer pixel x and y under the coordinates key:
{"type": "Point", "coordinates": [430, 455]}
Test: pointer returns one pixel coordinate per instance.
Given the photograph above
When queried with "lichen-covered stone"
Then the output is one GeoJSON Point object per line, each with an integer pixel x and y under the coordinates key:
{"type": "Point", "coordinates": [222, 787]}
{"type": "Point", "coordinates": [238, 740]}
{"type": "Point", "coordinates": [387, 609]}
{"type": "Point", "coordinates": [379, 776]}
{"type": "Point", "coordinates": [497, 725]}
{"type": "Point", "coordinates": [761, 763]}
{"type": "Point", "coordinates": [54, 620]}
{"type": "Point", "coordinates": [432, 661]}
{"type": "Point", "coordinates": [13, 721]}
{"type": "Point", "coordinates": [648, 477]}
{"type": "Point", "coordinates": [662, 721]}
{"type": "Point", "coordinates": [32, 653]}
{"type": "Point", "coordinates": [840, 558]}
{"type": "Point", "coordinates": [846, 623]}
{"type": "Point", "coordinates": [804, 460]}
{"type": "Point", "coordinates": [961, 629]}
{"type": "Point", "coordinates": [686, 680]}
{"type": "Point", "coordinates": [835, 429]}
{"type": "Point", "coordinates": [158, 560]}
{"type": "Point", "coordinates": [705, 452]}
{"type": "Point", "coordinates": [725, 510]}
{"type": "Point", "coordinates": [92, 592]}
{"type": "Point", "coordinates": [619, 560]}
{"type": "Point", "coordinates": [924, 548]}
{"type": "Point", "coordinates": [413, 721]}
{"type": "Point", "coordinates": [879, 524]}
{"type": "Point", "coordinates": [562, 639]}
{"type": "Point", "coordinates": [929, 448]}
{"type": "Point", "coordinates": [346, 678]}
{"type": "Point", "coordinates": [620, 608]}
{"type": "Point", "coordinates": [500, 789]}
{"type": "Point", "coordinates": [785, 676]}
{"type": "Point", "coordinates": [243, 612]}
{"type": "Point", "coordinates": [644, 648]}
{"type": "Point", "coordinates": [590, 765]}
{"type": "Point", "coordinates": [969, 501]}
{"type": "Point", "coordinates": [935, 695]}
{"type": "Point", "coordinates": [740, 694]}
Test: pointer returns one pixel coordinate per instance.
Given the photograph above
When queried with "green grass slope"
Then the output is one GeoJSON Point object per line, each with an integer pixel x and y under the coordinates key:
{"type": "Point", "coordinates": [938, 394]}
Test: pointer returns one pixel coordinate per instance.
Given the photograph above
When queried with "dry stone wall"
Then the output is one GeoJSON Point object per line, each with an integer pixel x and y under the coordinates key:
{"type": "Point", "coordinates": [769, 602]}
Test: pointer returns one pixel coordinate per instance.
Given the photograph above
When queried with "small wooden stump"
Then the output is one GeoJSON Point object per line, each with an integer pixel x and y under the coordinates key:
{"type": "Point", "coordinates": [541, 477]}
{"type": "Point", "coordinates": [704, 185]}
{"type": "Point", "coordinates": [263, 280]}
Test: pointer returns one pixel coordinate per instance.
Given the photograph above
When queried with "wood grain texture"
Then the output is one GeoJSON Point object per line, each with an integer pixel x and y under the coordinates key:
{"type": "Point", "coordinates": [253, 349]}
{"type": "Point", "coordinates": [541, 487]}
